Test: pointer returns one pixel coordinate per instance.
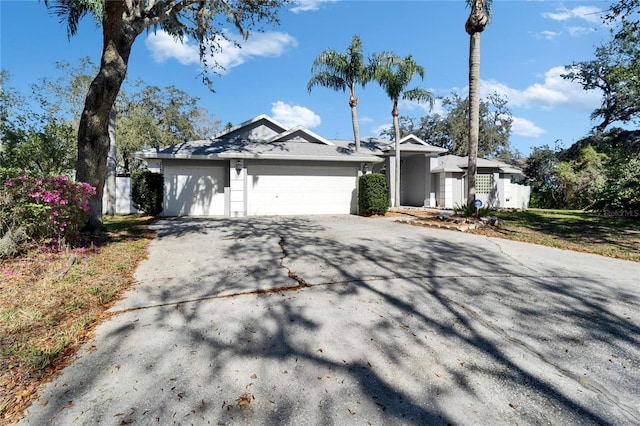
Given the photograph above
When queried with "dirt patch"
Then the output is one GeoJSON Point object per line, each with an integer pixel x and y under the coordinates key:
{"type": "Point", "coordinates": [412, 213]}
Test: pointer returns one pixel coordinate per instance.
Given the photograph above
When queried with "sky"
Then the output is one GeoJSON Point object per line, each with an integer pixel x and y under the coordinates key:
{"type": "Point", "coordinates": [524, 51]}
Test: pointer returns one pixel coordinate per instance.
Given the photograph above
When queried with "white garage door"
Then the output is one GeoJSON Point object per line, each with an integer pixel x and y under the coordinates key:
{"type": "Point", "coordinates": [292, 190]}
{"type": "Point", "coordinates": [193, 191]}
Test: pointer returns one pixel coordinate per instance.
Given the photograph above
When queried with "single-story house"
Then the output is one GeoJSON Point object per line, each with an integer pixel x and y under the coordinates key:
{"type": "Point", "coordinates": [497, 183]}
{"type": "Point", "coordinates": [262, 167]}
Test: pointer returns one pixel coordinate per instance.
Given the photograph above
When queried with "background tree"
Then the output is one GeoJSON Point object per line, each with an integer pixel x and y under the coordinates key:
{"type": "Point", "coordinates": [48, 150]}
{"type": "Point", "coordinates": [39, 129]}
{"type": "Point", "coordinates": [581, 179]}
{"type": "Point", "coordinates": [394, 74]}
{"type": "Point", "coordinates": [205, 124]}
{"type": "Point", "coordinates": [597, 172]}
{"type": "Point", "coordinates": [627, 12]}
{"type": "Point", "coordinates": [63, 95]}
{"type": "Point", "coordinates": [476, 23]}
{"type": "Point", "coordinates": [122, 22]}
{"type": "Point", "coordinates": [540, 170]}
{"type": "Point", "coordinates": [341, 71]}
{"type": "Point", "coordinates": [151, 117]}
{"type": "Point", "coordinates": [615, 71]}
{"type": "Point", "coordinates": [451, 129]}
{"type": "Point", "coordinates": [40, 141]}
{"type": "Point", "coordinates": [10, 101]}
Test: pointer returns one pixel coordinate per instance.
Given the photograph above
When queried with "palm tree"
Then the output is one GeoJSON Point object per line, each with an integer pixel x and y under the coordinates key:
{"type": "Point", "coordinates": [476, 23]}
{"type": "Point", "coordinates": [339, 71]}
{"type": "Point", "coordinates": [394, 74]}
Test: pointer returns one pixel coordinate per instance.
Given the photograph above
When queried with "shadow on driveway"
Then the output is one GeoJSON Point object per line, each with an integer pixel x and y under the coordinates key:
{"type": "Point", "coordinates": [395, 325]}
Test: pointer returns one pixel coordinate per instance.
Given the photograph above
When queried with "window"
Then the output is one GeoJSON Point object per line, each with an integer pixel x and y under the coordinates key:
{"type": "Point", "coordinates": [484, 184]}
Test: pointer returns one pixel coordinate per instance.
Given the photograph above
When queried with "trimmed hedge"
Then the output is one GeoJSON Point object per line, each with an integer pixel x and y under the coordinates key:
{"type": "Point", "coordinates": [373, 194]}
{"type": "Point", "coordinates": [147, 189]}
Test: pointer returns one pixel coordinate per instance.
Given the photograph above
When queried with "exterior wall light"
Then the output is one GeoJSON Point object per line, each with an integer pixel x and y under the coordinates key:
{"type": "Point", "coordinates": [238, 166]}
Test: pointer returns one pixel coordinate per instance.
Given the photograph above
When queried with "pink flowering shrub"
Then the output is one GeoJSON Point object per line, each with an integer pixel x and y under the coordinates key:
{"type": "Point", "coordinates": [50, 209]}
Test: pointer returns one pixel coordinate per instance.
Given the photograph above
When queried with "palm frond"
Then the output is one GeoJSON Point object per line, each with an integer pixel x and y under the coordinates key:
{"type": "Point", "coordinates": [72, 11]}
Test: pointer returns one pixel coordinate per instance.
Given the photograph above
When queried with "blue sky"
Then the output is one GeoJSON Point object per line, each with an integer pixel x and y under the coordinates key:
{"type": "Point", "coordinates": [523, 52]}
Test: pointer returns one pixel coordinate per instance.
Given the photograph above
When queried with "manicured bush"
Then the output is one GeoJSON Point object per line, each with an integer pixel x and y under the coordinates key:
{"type": "Point", "coordinates": [373, 194]}
{"type": "Point", "coordinates": [45, 210]}
{"type": "Point", "coordinates": [147, 189]}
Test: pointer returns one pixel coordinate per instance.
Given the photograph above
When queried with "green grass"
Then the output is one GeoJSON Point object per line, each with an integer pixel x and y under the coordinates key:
{"type": "Point", "coordinates": [613, 236]}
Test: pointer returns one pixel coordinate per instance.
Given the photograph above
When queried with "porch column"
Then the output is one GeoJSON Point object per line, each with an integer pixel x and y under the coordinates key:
{"type": "Point", "coordinates": [391, 172]}
{"type": "Point", "coordinates": [429, 185]}
{"type": "Point", "coordinates": [237, 188]}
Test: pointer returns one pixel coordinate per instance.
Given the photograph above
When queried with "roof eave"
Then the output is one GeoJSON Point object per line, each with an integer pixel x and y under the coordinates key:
{"type": "Point", "coordinates": [248, 156]}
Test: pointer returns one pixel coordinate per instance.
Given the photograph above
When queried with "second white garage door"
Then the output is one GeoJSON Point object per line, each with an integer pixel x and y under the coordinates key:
{"type": "Point", "coordinates": [298, 190]}
{"type": "Point", "coordinates": [194, 191]}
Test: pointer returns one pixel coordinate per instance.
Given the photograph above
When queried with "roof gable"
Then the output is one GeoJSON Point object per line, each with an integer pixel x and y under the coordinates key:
{"type": "Point", "coordinates": [261, 127]}
{"type": "Point", "coordinates": [262, 138]}
{"type": "Point", "coordinates": [412, 140]}
{"type": "Point", "coordinates": [300, 134]}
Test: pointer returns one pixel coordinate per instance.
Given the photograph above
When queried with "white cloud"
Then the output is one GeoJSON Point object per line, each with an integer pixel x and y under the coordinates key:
{"type": "Point", "coordinates": [381, 128]}
{"type": "Point", "coordinates": [523, 127]}
{"type": "Point", "coordinates": [294, 115]}
{"type": "Point", "coordinates": [578, 31]}
{"type": "Point", "coordinates": [590, 14]}
{"type": "Point", "coordinates": [425, 107]}
{"type": "Point", "coordinates": [269, 44]}
{"type": "Point", "coordinates": [555, 91]}
{"type": "Point", "coordinates": [437, 107]}
{"type": "Point", "coordinates": [563, 15]}
{"type": "Point", "coordinates": [548, 35]}
{"type": "Point", "coordinates": [164, 47]}
{"type": "Point", "coordinates": [308, 5]}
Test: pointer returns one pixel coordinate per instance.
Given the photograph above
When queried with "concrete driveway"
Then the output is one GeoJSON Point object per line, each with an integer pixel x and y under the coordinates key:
{"type": "Point", "coordinates": [350, 320]}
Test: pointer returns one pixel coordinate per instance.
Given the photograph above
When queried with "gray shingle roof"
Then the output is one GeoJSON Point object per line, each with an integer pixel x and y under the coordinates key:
{"type": "Point", "coordinates": [281, 150]}
{"type": "Point", "coordinates": [455, 163]}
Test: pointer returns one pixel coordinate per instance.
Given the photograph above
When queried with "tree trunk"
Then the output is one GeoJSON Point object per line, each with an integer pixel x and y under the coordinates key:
{"type": "Point", "coordinates": [93, 135]}
{"type": "Point", "coordinates": [396, 127]}
{"type": "Point", "coordinates": [474, 114]}
{"type": "Point", "coordinates": [353, 103]}
{"type": "Point", "coordinates": [476, 23]}
{"type": "Point", "coordinates": [112, 163]}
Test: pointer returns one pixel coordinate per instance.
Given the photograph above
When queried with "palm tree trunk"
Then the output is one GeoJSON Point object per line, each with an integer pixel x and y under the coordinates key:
{"type": "Point", "coordinates": [93, 132]}
{"type": "Point", "coordinates": [396, 127]}
{"type": "Point", "coordinates": [476, 23]}
{"type": "Point", "coordinates": [474, 114]}
{"type": "Point", "coordinates": [353, 103]}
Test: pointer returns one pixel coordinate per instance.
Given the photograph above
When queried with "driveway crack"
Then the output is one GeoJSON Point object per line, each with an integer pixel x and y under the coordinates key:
{"type": "Point", "coordinates": [497, 244]}
{"type": "Point", "coordinates": [290, 273]}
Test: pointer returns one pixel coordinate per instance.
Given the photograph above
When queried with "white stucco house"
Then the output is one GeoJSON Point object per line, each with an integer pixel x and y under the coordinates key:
{"type": "Point", "coordinates": [497, 183]}
{"type": "Point", "coordinates": [262, 167]}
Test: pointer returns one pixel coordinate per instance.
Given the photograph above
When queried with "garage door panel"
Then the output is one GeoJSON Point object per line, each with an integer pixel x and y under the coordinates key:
{"type": "Point", "coordinates": [194, 191]}
{"type": "Point", "coordinates": [300, 190]}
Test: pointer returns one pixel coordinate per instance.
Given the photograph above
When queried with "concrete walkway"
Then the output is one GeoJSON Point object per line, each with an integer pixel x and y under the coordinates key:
{"type": "Point", "coordinates": [394, 324]}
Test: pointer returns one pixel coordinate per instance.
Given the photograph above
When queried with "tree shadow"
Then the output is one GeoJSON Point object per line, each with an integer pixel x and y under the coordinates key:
{"type": "Point", "coordinates": [423, 329]}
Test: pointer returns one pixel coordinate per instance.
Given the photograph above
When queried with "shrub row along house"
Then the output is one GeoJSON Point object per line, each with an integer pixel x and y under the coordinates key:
{"type": "Point", "coordinates": [261, 167]}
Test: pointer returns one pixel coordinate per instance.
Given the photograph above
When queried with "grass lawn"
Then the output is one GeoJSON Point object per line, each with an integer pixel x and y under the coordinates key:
{"type": "Point", "coordinates": [612, 236]}
{"type": "Point", "coordinates": [50, 304]}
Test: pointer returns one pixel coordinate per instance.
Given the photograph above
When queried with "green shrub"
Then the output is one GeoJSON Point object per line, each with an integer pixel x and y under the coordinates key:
{"type": "Point", "coordinates": [469, 210]}
{"type": "Point", "coordinates": [147, 189]}
{"type": "Point", "coordinates": [373, 194]}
